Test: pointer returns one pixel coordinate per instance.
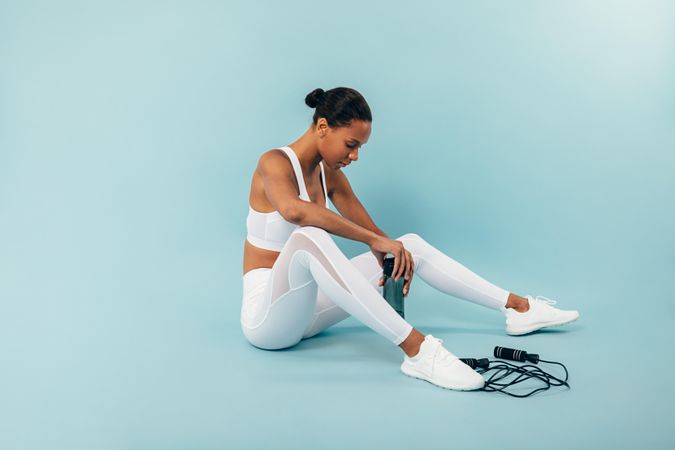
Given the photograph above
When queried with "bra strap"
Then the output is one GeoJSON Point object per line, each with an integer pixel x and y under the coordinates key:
{"type": "Point", "coordinates": [298, 172]}
{"type": "Point", "coordinates": [323, 180]}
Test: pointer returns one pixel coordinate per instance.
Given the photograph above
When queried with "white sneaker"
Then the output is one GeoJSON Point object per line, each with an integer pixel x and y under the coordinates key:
{"type": "Point", "coordinates": [436, 365]}
{"type": "Point", "coordinates": [540, 315]}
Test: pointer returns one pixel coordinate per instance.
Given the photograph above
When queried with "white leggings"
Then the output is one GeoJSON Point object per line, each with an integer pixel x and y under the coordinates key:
{"type": "Point", "coordinates": [313, 285]}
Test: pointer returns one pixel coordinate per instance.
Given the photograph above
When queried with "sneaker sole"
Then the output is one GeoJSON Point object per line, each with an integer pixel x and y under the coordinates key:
{"type": "Point", "coordinates": [537, 327]}
{"type": "Point", "coordinates": [415, 374]}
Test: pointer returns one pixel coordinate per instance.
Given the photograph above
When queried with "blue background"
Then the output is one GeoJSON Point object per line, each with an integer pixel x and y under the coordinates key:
{"type": "Point", "coordinates": [531, 141]}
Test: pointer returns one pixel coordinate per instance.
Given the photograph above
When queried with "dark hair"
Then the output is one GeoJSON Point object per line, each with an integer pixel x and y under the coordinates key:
{"type": "Point", "coordinates": [339, 106]}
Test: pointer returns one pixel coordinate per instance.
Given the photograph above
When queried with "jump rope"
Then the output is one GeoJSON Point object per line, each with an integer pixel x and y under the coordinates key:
{"type": "Point", "coordinates": [393, 292]}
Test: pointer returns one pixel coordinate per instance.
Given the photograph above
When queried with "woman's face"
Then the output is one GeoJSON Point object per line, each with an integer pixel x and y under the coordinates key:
{"type": "Point", "coordinates": [340, 146]}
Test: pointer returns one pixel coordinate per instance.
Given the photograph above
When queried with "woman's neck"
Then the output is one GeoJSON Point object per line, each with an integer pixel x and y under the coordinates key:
{"type": "Point", "coordinates": [308, 152]}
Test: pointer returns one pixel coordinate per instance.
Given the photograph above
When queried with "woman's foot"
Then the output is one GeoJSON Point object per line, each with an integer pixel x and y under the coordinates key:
{"type": "Point", "coordinates": [539, 314]}
{"type": "Point", "coordinates": [435, 364]}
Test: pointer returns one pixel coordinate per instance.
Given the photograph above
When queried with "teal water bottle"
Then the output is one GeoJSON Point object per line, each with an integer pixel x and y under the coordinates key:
{"type": "Point", "coordinates": [392, 290]}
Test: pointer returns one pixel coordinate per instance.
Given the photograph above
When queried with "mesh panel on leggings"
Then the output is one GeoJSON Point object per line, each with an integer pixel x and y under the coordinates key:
{"type": "Point", "coordinates": [298, 241]}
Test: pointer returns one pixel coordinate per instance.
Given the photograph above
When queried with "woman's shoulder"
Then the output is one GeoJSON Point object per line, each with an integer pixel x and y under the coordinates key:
{"type": "Point", "coordinates": [274, 160]}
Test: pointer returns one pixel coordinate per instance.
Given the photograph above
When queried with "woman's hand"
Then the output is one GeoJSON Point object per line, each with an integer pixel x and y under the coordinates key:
{"type": "Point", "coordinates": [403, 261]}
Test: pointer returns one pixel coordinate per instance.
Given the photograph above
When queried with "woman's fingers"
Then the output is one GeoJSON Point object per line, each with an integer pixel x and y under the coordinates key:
{"type": "Point", "coordinates": [410, 274]}
{"type": "Point", "coordinates": [403, 265]}
{"type": "Point", "coordinates": [408, 261]}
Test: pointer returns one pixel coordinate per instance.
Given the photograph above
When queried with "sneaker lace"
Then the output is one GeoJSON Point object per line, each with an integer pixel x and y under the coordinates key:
{"type": "Point", "coordinates": [543, 299]}
{"type": "Point", "coordinates": [445, 356]}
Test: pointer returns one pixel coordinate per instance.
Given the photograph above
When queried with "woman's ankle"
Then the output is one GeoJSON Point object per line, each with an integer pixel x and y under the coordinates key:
{"type": "Point", "coordinates": [411, 345]}
{"type": "Point", "coordinates": [520, 304]}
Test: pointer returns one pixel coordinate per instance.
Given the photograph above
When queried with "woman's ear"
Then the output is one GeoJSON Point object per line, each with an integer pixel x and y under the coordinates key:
{"type": "Point", "coordinates": [322, 127]}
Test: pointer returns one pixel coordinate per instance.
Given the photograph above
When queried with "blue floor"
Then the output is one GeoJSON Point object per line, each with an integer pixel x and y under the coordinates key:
{"type": "Point", "coordinates": [169, 368]}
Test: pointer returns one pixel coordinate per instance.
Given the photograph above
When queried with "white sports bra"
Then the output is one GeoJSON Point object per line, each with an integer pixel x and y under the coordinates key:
{"type": "Point", "coordinates": [270, 230]}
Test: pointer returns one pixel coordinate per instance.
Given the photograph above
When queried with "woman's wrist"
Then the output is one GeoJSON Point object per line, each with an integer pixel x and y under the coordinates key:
{"type": "Point", "coordinates": [375, 235]}
{"type": "Point", "coordinates": [372, 236]}
{"type": "Point", "coordinates": [381, 233]}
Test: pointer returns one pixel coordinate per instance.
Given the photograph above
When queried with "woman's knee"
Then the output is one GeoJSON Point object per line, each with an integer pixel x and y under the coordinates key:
{"type": "Point", "coordinates": [409, 237]}
{"type": "Point", "coordinates": [320, 237]}
{"type": "Point", "coordinates": [414, 243]}
{"type": "Point", "coordinates": [311, 231]}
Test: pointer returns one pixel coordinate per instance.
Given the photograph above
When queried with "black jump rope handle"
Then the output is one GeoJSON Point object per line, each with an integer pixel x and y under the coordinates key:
{"type": "Point", "coordinates": [474, 363]}
{"type": "Point", "coordinates": [503, 353]}
{"type": "Point", "coordinates": [515, 355]}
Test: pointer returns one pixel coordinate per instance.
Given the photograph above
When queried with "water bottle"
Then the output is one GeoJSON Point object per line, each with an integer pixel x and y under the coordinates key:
{"type": "Point", "coordinates": [392, 290]}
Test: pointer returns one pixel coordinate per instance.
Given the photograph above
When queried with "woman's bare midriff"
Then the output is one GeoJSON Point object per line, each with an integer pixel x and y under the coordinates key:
{"type": "Point", "coordinates": [256, 257]}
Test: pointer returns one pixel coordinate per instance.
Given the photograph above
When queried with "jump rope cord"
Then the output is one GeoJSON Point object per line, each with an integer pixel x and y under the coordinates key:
{"type": "Point", "coordinates": [504, 369]}
{"type": "Point", "coordinates": [492, 384]}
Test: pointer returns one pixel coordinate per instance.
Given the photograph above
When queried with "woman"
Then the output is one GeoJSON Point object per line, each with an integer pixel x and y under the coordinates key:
{"type": "Point", "coordinates": [297, 282]}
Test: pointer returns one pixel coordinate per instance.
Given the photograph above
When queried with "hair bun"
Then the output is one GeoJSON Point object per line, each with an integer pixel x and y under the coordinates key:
{"type": "Point", "coordinates": [314, 97]}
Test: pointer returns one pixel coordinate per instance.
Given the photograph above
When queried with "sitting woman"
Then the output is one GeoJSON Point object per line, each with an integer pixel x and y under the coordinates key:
{"type": "Point", "coordinates": [297, 282]}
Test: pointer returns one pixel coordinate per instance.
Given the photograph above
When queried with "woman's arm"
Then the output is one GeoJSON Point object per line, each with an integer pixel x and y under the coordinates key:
{"type": "Point", "coordinates": [343, 197]}
{"type": "Point", "coordinates": [346, 202]}
{"type": "Point", "coordinates": [280, 190]}
{"type": "Point", "coordinates": [277, 175]}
